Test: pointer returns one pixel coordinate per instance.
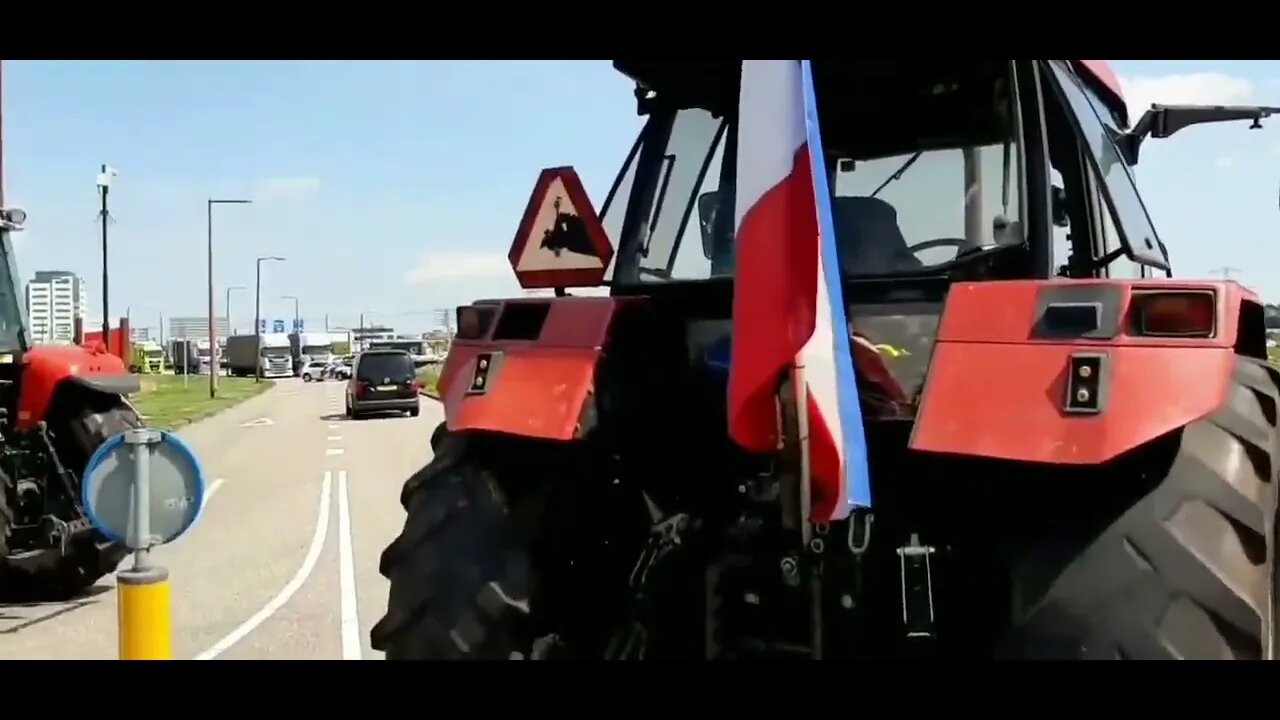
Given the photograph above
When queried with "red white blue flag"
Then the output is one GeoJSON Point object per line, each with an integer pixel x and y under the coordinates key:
{"type": "Point", "coordinates": [788, 306]}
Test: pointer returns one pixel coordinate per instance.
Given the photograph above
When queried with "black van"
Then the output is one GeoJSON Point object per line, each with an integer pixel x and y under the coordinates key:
{"type": "Point", "coordinates": [382, 381]}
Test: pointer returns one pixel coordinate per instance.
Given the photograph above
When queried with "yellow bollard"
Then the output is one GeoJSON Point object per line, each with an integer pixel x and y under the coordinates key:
{"type": "Point", "coordinates": [143, 614]}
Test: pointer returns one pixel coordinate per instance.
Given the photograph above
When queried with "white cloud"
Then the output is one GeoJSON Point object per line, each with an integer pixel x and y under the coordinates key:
{"type": "Point", "coordinates": [280, 187]}
{"type": "Point", "coordinates": [1203, 88]}
{"type": "Point", "coordinates": [460, 266]}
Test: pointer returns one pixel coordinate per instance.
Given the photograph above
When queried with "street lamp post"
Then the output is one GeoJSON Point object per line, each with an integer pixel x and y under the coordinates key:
{"type": "Point", "coordinates": [296, 316]}
{"type": "Point", "coordinates": [104, 185]}
{"type": "Point", "coordinates": [213, 330]}
{"type": "Point", "coordinates": [226, 308]}
{"type": "Point", "coordinates": [257, 313]}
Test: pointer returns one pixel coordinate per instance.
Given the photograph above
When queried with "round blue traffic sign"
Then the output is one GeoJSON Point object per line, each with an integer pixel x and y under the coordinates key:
{"type": "Point", "coordinates": [174, 491]}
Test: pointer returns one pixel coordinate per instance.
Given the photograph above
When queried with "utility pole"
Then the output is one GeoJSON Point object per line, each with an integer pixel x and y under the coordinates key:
{"type": "Point", "coordinates": [297, 319]}
{"type": "Point", "coordinates": [226, 308]}
{"type": "Point", "coordinates": [213, 330]}
{"type": "Point", "coordinates": [257, 315]}
{"type": "Point", "coordinates": [104, 184]}
{"type": "Point", "coordinates": [1225, 271]}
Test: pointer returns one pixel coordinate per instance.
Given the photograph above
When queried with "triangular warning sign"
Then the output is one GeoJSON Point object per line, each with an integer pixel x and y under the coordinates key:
{"type": "Point", "coordinates": [561, 241]}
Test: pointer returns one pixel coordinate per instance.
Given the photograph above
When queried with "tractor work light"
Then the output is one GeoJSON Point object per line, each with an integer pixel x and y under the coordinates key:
{"type": "Point", "coordinates": [1181, 313]}
{"type": "Point", "coordinates": [474, 321]}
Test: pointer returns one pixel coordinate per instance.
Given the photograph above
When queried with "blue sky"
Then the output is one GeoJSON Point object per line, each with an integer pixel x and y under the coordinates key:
{"type": "Point", "coordinates": [395, 187]}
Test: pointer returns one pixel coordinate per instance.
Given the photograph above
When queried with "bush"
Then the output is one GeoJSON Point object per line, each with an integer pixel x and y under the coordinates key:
{"type": "Point", "coordinates": [428, 376]}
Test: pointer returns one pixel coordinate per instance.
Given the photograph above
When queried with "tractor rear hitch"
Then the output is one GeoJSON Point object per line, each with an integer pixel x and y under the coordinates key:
{"type": "Point", "coordinates": [916, 572]}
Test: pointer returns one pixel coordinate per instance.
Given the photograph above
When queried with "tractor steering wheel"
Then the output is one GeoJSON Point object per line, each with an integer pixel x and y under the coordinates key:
{"type": "Point", "coordinates": [958, 242]}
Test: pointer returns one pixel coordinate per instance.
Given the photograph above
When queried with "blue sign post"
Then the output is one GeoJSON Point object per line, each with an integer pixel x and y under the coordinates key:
{"type": "Point", "coordinates": [143, 488]}
{"type": "Point", "coordinates": [262, 325]}
{"type": "Point", "coordinates": [277, 326]}
{"type": "Point", "coordinates": [297, 325]}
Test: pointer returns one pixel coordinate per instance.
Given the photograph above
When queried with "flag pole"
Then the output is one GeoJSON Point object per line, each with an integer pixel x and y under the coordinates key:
{"type": "Point", "coordinates": [800, 392]}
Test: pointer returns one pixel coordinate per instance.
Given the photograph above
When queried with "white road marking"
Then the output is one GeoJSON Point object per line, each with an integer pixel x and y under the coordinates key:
{"type": "Point", "coordinates": [289, 590]}
{"type": "Point", "coordinates": [212, 488]}
{"type": "Point", "coordinates": [347, 576]}
{"type": "Point", "coordinates": [335, 438]}
{"type": "Point", "coordinates": [260, 422]}
{"type": "Point", "coordinates": [334, 426]}
{"type": "Point", "coordinates": [333, 451]}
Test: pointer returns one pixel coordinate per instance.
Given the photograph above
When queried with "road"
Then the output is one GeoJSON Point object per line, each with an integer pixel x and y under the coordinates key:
{"type": "Point", "coordinates": [283, 562]}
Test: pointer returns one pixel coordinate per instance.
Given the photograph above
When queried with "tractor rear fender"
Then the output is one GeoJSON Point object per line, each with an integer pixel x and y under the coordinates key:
{"type": "Point", "coordinates": [49, 367]}
{"type": "Point", "coordinates": [997, 384]}
{"type": "Point", "coordinates": [526, 367]}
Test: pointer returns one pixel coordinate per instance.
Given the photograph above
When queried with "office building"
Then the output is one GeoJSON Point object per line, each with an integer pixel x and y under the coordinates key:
{"type": "Point", "coordinates": [197, 328]}
{"type": "Point", "coordinates": [54, 299]}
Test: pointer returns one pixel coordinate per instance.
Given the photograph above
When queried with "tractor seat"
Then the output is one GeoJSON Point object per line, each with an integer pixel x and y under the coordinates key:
{"type": "Point", "coordinates": [868, 238]}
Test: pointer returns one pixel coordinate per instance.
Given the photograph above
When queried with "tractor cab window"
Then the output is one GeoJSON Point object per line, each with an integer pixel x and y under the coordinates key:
{"type": "Point", "coordinates": [910, 211]}
{"type": "Point", "coordinates": [1122, 214]}
{"type": "Point", "coordinates": [925, 169]}
{"type": "Point", "coordinates": [667, 241]}
{"type": "Point", "coordinates": [11, 315]}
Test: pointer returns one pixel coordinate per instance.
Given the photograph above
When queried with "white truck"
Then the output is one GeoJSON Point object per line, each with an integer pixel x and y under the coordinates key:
{"type": "Point", "coordinates": [245, 356]}
{"type": "Point", "coordinates": [203, 353]}
{"type": "Point", "coordinates": [313, 347]}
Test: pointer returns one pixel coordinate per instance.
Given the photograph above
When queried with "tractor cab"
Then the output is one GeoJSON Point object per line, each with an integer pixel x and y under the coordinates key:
{"type": "Point", "coordinates": [939, 173]}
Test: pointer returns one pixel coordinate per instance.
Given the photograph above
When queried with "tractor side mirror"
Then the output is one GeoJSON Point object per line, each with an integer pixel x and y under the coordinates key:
{"type": "Point", "coordinates": [708, 203]}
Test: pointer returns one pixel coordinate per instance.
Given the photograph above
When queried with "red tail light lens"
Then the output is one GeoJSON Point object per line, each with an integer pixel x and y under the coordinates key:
{"type": "Point", "coordinates": [361, 388]}
{"type": "Point", "coordinates": [1174, 314]}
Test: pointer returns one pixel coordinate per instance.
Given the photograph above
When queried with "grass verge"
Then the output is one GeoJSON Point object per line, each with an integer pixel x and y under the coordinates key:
{"type": "Point", "coordinates": [166, 405]}
{"type": "Point", "coordinates": [428, 376]}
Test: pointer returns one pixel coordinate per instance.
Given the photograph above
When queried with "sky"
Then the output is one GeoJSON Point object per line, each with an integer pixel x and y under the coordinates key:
{"type": "Point", "coordinates": [394, 188]}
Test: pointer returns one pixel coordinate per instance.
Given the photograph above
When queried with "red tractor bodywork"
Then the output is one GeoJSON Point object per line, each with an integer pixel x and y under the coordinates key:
{"type": "Point", "coordinates": [997, 384]}
{"type": "Point", "coordinates": [536, 384]}
{"type": "Point", "coordinates": [47, 366]}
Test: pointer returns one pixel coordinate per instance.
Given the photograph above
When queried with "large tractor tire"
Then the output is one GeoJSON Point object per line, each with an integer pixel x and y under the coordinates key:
{"type": "Point", "coordinates": [1188, 570]}
{"type": "Point", "coordinates": [459, 571]}
{"type": "Point", "coordinates": [79, 422]}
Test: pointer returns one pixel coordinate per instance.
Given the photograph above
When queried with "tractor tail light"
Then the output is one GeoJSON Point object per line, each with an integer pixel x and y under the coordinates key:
{"type": "Point", "coordinates": [474, 321]}
{"type": "Point", "coordinates": [1174, 314]}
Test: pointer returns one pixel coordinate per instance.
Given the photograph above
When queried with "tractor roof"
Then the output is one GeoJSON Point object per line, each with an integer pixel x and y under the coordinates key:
{"type": "Point", "coordinates": [657, 74]}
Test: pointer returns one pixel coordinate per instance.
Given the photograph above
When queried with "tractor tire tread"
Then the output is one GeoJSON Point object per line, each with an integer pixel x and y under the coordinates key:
{"type": "Point", "coordinates": [1186, 571]}
{"type": "Point", "coordinates": [459, 571]}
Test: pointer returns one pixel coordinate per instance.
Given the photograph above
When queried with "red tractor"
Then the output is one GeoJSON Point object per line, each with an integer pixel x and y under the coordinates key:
{"type": "Point", "coordinates": [57, 405]}
{"type": "Point", "coordinates": [1072, 453]}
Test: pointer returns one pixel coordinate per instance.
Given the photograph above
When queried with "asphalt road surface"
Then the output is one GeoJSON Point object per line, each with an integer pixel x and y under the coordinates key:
{"type": "Point", "coordinates": [283, 562]}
